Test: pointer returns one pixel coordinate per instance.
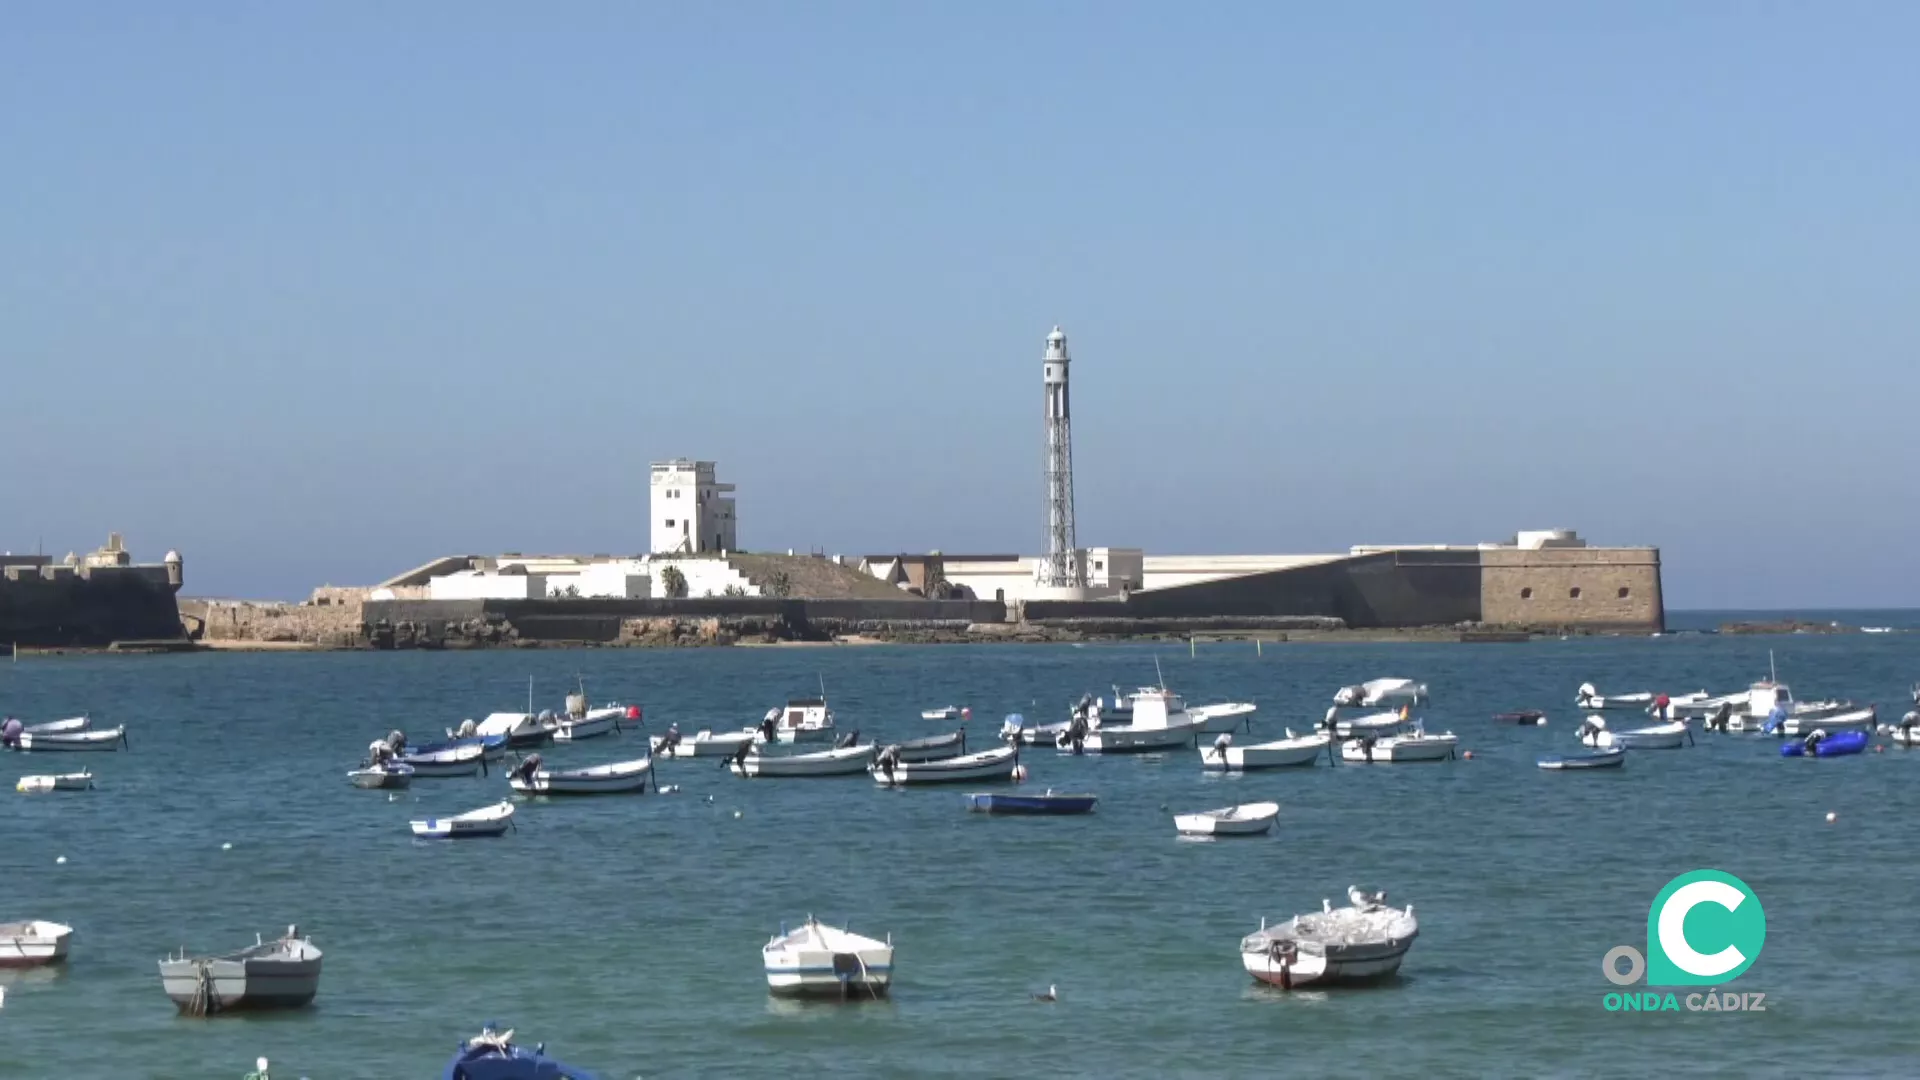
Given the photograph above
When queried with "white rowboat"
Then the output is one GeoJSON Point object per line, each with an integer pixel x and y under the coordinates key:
{"type": "Point", "coordinates": [611, 779]}
{"type": "Point", "coordinates": [486, 821]}
{"type": "Point", "coordinates": [78, 781]}
{"type": "Point", "coordinates": [996, 764]}
{"type": "Point", "coordinates": [847, 761]}
{"type": "Point", "coordinates": [110, 739]}
{"type": "Point", "coordinates": [33, 943]}
{"type": "Point", "coordinates": [1252, 819]}
{"type": "Point", "coordinates": [826, 960]}
{"type": "Point", "coordinates": [1416, 745]}
{"type": "Point", "coordinates": [1280, 753]}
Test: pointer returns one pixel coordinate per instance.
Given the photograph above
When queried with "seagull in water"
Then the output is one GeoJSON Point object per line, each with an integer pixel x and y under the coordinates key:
{"type": "Point", "coordinates": [1052, 994]}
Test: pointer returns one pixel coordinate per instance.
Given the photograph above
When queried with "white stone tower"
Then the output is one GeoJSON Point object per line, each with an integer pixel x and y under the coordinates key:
{"type": "Point", "coordinates": [1062, 568]}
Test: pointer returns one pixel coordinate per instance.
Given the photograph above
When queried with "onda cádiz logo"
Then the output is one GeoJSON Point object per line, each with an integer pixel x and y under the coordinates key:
{"type": "Point", "coordinates": [1704, 929]}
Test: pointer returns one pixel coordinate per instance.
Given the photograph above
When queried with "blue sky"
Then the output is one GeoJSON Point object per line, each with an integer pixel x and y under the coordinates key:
{"type": "Point", "coordinates": [316, 292]}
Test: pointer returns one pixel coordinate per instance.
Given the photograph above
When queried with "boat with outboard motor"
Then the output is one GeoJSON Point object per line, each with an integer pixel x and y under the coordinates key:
{"type": "Point", "coordinates": [282, 974]}
{"type": "Point", "coordinates": [15, 736]}
{"type": "Point", "coordinates": [531, 777]}
{"type": "Point", "coordinates": [522, 730]}
{"type": "Point", "coordinates": [1412, 745]}
{"type": "Point", "coordinates": [464, 759]}
{"type": "Point", "coordinates": [1594, 732]}
{"type": "Point", "coordinates": [840, 761]}
{"type": "Point", "coordinates": [1589, 698]}
{"type": "Point", "coordinates": [493, 1055]}
{"type": "Point", "coordinates": [827, 960]}
{"type": "Point", "coordinates": [1832, 718]}
{"type": "Point", "coordinates": [33, 943]}
{"type": "Point", "coordinates": [1822, 743]}
{"type": "Point", "coordinates": [492, 820]}
{"type": "Point", "coordinates": [703, 743]}
{"type": "Point", "coordinates": [1375, 724]}
{"type": "Point", "coordinates": [1224, 756]}
{"type": "Point", "coordinates": [59, 727]}
{"type": "Point", "coordinates": [388, 775]}
{"type": "Point", "coordinates": [1015, 729]}
{"type": "Point", "coordinates": [998, 763]}
{"type": "Point", "coordinates": [1033, 805]}
{"type": "Point", "coordinates": [492, 747]}
{"type": "Point", "coordinates": [932, 747]}
{"type": "Point", "coordinates": [804, 720]}
{"type": "Point", "coordinates": [950, 712]}
{"type": "Point", "coordinates": [1159, 721]}
{"type": "Point", "coordinates": [1362, 942]}
{"type": "Point", "coordinates": [1249, 819]}
{"type": "Point", "coordinates": [75, 781]}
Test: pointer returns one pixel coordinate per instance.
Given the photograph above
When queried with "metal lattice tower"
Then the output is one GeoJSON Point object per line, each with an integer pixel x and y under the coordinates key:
{"type": "Point", "coordinates": [1062, 567]}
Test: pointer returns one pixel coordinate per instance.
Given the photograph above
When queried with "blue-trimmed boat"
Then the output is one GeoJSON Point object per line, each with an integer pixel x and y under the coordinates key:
{"type": "Point", "coordinates": [492, 1055]}
{"type": "Point", "coordinates": [495, 746]}
{"type": "Point", "coordinates": [1007, 803]}
{"type": "Point", "coordinates": [1599, 759]}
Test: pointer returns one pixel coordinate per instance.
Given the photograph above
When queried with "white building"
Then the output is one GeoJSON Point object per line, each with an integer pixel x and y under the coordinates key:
{"type": "Point", "coordinates": [484, 585]}
{"type": "Point", "coordinates": [691, 513]}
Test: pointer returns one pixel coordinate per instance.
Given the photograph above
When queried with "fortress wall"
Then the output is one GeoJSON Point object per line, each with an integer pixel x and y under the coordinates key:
{"type": "Point", "coordinates": [1586, 588]}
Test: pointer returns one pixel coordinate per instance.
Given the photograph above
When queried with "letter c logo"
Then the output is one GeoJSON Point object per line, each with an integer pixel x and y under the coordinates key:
{"type": "Point", "coordinates": [1673, 928]}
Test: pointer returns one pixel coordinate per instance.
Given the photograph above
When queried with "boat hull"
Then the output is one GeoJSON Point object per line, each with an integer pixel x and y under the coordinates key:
{"type": "Point", "coordinates": [80, 781]}
{"type": "Point", "coordinates": [382, 779]}
{"type": "Point", "coordinates": [825, 763]}
{"type": "Point", "coordinates": [1661, 737]}
{"type": "Point", "coordinates": [804, 735]}
{"type": "Point", "coordinates": [594, 724]}
{"type": "Point", "coordinates": [623, 781]}
{"type": "Point", "coordinates": [937, 748]}
{"type": "Point", "coordinates": [488, 821]}
{"type": "Point", "coordinates": [1031, 805]}
{"type": "Point", "coordinates": [72, 741]}
{"type": "Point", "coordinates": [1286, 753]}
{"type": "Point", "coordinates": [1393, 751]}
{"type": "Point", "coordinates": [985, 765]}
{"type": "Point", "coordinates": [1837, 745]}
{"type": "Point", "coordinates": [1126, 739]}
{"type": "Point", "coordinates": [1860, 720]}
{"type": "Point", "coordinates": [33, 944]}
{"type": "Point", "coordinates": [58, 727]}
{"type": "Point", "coordinates": [1253, 819]}
{"type": "Point", "coordinates": [1357, 964]}
{"type": "Point", "coordinates": [1599, 759]}
{"type": "Point", "coordinates": [705, 744]}
{"type": "Point", "coordinates": [1222, 719]}
{"type": "Point", "coordinates": [818, 973]}
{"type": "Point", "coordinates": [242, 984]}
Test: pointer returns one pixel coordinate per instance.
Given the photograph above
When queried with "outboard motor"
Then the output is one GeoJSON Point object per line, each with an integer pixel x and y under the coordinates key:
{"type": "Point", "coordinates": [1586, 693]}
{"type": "Point", "coordinates": [467, 729]}
{"type": "Point", "coordinates": [770, 725]}
{"type": "Point", "coordinates": [10, 731]}
{"type": "Point", "coordinates": [397, 741]}
{"type": "Point", "coordinates": [739, 756]}
{"type": "Point", "coordinates": [669, 742]}
{"type": "Point", "coordinates": [888, 758]}
{"type": "Point", "coordinates": [1721, 717]}
{"type": "Point", "coordinates": [850, 739]}
{"type": "Point", "coordinates": [1814, 739]}
{"type": "Point", "coordinates": [378, 752]}
{"type": "Point", "coordinates": [1220, 746]}
{"type": "Point", "coordinates": [1366, 748]}
{"type": "Point", "coordinates": [525, 770]}
{"type": "Point", "coordinates": [1590, 729]}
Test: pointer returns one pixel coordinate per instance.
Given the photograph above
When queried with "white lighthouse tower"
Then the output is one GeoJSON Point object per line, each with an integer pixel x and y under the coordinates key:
{"type": "Point", "coordinates": [1063, 571]}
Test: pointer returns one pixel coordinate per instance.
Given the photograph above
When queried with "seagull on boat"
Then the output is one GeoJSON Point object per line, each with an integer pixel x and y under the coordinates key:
{"type": "Point", "coordinates": [1052, 994]}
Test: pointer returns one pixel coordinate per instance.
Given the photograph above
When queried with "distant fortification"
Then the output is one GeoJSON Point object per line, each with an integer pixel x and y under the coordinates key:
{"type": "Point", "coordinates": [91, 600]}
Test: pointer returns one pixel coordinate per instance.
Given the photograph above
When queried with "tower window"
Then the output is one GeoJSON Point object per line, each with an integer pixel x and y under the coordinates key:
{"type": "Point", "coordinates": [1526, 594]}
{"type": "Point", "coordinates": [669, 523]}
{"type": "Point", "coordinates": [1574, 592]}
{"type": "Point", "coordinates": [1625, 592]}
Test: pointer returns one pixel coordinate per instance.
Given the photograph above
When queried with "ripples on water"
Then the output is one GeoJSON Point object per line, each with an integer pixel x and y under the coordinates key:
{"type": "Point", "coordinates": [625, 931]}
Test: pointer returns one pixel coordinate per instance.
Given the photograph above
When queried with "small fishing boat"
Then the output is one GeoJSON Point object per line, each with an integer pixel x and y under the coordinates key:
{"type": "Point", "coordinates": [1250, 819]}
{"type": "Point", "coordinates": [1376, 692]}
{"type": "Point", "coordinates": [522, 730]}
{"type": "Point", "coordinates": [1599, 759]}
{"type": "Point", "coordinates": [1219, 719]}
{"type": "Point", "coordinates": [283, 974]}
{"type": "Point", "coordinates": [1522, 718]}
{"type": "Point", "coordinates": [464, 760]}
{"type": "Point", "coordinates": [1293, 750]}
{"type": "Point", "coordinates": [1415, 745]}
{"type": "Point", "coordinates": [1821, 743]}
{"type": "Point", "coordinates": [804, 720]}
{"type": "Point", "coordinates": [1015, 729]}
{"type": "Point", "coordinates": [826, 960]}
{"type": "Point", "coordinates": [1375, 723]}
{"type": "Point", "coordinates": [73, 781]}
{"type": "Point", "coordinates": [388, 775]}
{"type": "Point", "coordinates": [33, 943]}
{"type": "Point", "coordinates": [843, 761]}
{"type": "Point", "coordinates": [493, 1055]}
{"type": "Point", "coordinates": [1363, 942]}
{"type": "Point", "coordinates": [587, 725]}
{"type": "Point", "coordinates": [59, 727]}
{"type": "Point", "coordinates": [530, 778]}
{"type": "Point", "coordinates": [950, 712]}
{"type": "Point", "coordinates": [107, 740]}
{"type": "Point", "coordinates": [933, 747]}
{"type": "Point", "coordinates": [1013, 803]}
{"type": "Point", "coordinates": [1589, 698]}
{"type": "Point", "coordinates": [1669, 736]}
{"type": "Point", "coordinates": [487, 821]}
{"type": "Point", "coordinates": [702, 744]}
{"type": "Point", "coordinates": [492, 747]}
{"type": "Point", "coordinates": [1842, 719]}
{"type": "Point", "coordinates": [995, 764]}
{"type": "Point", "coordinates": [1907, 731]}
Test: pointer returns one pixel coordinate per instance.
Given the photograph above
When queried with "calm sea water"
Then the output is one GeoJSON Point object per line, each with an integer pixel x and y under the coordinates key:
{"type": "Point", "coordinates": [625, 931]}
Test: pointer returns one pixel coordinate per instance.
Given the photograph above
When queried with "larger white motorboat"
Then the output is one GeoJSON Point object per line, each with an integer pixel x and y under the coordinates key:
{"type": "Point", "coordinates": [1159, 722]}
{"type": "Point", "coordinates": [826, 960]}
{"type": "Point", "coordinates": [1362, 942]}
{"type": "Point", "coordinates": [803, 720]}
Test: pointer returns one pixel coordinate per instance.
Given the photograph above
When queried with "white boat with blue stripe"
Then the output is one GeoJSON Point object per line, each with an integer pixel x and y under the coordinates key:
{"type": "Point", "coordinates": [828, 961]}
